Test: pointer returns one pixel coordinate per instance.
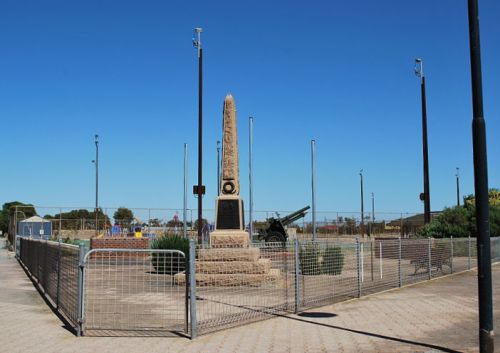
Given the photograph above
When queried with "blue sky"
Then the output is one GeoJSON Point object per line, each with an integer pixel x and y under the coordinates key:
{"type": "Point", "coordinates": [335, 71]}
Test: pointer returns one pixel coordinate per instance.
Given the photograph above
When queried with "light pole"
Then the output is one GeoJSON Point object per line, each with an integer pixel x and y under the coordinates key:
{"type": "Point", "coordinates": [458, 186]}
{"type": "Point", "coordinates": [184, 208]}
{"type": "Point", "coordinates": [199, 189]}
{"type": "Point", "coordinates": [373, 207]}
{"type": "Point", "coordinates": [419, 71]}
{"type": "Point", "coordinates": [362, 204]}
{"type": "Point", "coordinates": [313, 187]}
{"type": "Point", "coordinates": [218, 168]}
{"type": "Point", "coordinates": [486, 341]}
{"type": "Point", "coordinates": [250, 174]}
{"type": "Point", "coordinates": [96, 163]}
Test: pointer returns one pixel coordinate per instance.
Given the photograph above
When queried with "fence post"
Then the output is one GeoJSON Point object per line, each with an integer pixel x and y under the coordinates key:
{"type": "Point", "coordinates": [468, 266]}
{"type": "Point", "coordinates": [192, 287]}
{"type": "Point", "coordinates": [358, 266]}
{"type": "Point", "coordinates": [81, 273]}
{"type": "Point", "coordinates": [451, 254]}
{"type": "Point", "coordinates": [58, 264]}
{"type": "Point", "coordinates": [186, 292]}
{"type": "Point", "coordinates": [429, 258]}
{"type": "Point", "coordinates": [296, 249]}
{"type": "Point", "coordinates": [400, 274]}
{"type": "Point", "coordinates": [371, 256]}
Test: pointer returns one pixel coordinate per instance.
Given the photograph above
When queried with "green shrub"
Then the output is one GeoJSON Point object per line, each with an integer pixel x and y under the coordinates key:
{"type": "Point", "coordinates": [452, 222]}
{"type": "Point", "coordinates": [333, 260]}
{"type": "Point", "coordinates": [169, 263]}
{"type": "Point", "coordinates": [309, 259]}
{"type": "Point", "coordinates": [316, 261]}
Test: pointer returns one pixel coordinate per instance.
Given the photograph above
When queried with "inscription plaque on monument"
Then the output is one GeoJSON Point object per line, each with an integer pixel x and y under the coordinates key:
{"type": "Point", "coordinates": [228, 214]}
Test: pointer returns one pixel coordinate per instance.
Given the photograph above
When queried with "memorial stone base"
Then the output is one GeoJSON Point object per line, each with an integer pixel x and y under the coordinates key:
{"type": "Point", "coordinates": [231, 261]}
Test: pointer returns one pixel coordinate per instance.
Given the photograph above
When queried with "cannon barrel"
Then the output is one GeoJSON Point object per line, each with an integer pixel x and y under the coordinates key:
{"type": "Point", "coordinates": [294, 216]}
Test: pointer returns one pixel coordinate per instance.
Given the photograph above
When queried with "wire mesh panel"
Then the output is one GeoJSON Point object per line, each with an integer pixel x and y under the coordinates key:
{"type": "Point", "coordinates": [473, 252]}
{"type": "Point", "coordinates": [441, 257]}
{"type": "Point", "coordinates": [414, 260]}
{"type": "Point", "coordinates": [460, 260]}
{"type": "Point", "coordinates": [239, 285]}
{"type": "Point", "coordinates": [134, 290]}
{"type": "Point", "coordinates": [55, 267]}
{"type": "Point", "coordinates": [48, 277]}
{"type": "Point", "coordinates": [495, 249]}
{"type": "Point", "coordinates": [68, 281]}
{"type": "Point", "coordinates": [379, 264]}
{"type": "Point", "coordinates": [328, 272]}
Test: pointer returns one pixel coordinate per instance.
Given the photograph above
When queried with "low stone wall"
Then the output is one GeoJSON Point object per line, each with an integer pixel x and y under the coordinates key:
{"type": "Point", "coordinates": [118, 243]}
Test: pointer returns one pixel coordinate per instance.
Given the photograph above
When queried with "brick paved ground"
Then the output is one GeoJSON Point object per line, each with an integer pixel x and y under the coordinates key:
{"type": "Point", "coordinates": [440, 315]}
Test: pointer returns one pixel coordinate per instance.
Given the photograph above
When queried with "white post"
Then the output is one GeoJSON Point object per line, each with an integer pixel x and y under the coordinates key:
{"type": "Point", "coordinates": [380, 259]}
{"type": "Point", "coordinates": [362, 263]}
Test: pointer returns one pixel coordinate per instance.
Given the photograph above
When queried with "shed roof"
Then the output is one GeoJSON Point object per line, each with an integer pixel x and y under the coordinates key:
{"type": "Point", "coordinates": [34, 219]}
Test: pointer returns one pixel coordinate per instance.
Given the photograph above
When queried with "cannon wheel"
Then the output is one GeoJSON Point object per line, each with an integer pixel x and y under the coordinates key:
{"type": "Point", "coordinates": [275, 237]}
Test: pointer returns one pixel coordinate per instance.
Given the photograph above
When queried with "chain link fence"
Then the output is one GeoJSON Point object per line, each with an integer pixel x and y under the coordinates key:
{"type": "Point", "coordinates": [154, 292]}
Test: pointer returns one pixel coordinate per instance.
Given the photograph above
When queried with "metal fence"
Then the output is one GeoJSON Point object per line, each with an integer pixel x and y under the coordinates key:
{"type": "Point", "coordinates": [236, 286]}
{"type": "Point", "coordinates": [54, 267]}
{"type": "Point", "coordinates": [134, 290]}
{"type": "Point", "coordinates": [241, 285]}
{"type": "Point", "coordinates": [158, 292]}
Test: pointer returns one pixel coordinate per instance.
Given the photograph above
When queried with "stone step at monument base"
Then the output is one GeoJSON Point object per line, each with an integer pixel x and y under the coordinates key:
{"type": "Point", "coordinates": [273, 277]}
{"type": "Point", "coordinates": [262, 266]}
{"type": "Point", "coordinates": [229, 239]}
{"type": "Point", "coordinates": [229, 254]}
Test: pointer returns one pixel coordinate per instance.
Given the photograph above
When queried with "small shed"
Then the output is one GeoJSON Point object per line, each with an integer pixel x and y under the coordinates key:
{"type": "Point", "coordinates": [35, 227]}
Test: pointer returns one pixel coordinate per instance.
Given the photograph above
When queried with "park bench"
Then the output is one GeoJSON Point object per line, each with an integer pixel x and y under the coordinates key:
{"type": "Point", "coordinates": [439, 256]}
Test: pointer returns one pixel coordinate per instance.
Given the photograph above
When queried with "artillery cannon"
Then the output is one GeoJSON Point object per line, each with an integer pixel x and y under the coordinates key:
{"type": "Point", "coordinates": [275, 230]}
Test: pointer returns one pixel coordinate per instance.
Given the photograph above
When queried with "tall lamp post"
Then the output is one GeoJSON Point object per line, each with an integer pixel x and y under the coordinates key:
{"type": "Point", "coordinates": [313, 187]}
{"type": "Point", "coordinates": [419, 71]}
{"type": "Point", "coordinates": [250, 175]}
{"type": "Point", "coordinates": [362, 204]}
{"type": "Point", "coordinates": [184, 203]}
{"type": "Point", "coordinates": [458, 186]}
{"type": "Point", "coordinates": [486, 340]}
{"type": "Point", "coordinates": [199, 189]}
{"type": "Point", "coordinates": [373, 207]}
{"type": "Point", "coordinates": [96, 163]}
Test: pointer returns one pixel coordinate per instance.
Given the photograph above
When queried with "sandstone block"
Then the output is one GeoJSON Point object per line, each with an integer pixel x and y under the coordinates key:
{"type": "Point", "coordinates": [229, 254]}
{"type": "Point", "coordinates": [230, 280]}
{"type": "Point", "coordinates": [217, 267]}
{"type": "Point", "coordinates": [229, 239]}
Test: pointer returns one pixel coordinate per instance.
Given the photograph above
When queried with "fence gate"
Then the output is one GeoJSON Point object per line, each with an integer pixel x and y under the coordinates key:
{"type": "Point", "coordinates": [134, 292]}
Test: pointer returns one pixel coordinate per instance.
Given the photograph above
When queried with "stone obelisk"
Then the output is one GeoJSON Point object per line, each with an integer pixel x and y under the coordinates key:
{"type": "Point", "coordinates": [229, 215]}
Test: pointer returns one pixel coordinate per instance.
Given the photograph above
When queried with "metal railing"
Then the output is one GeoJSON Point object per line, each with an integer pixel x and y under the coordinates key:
{"type": "Point", "coordinates": [235, 286]}
{"type": "Point", "coordinates": [152, 292]}
{"type": "Point", "coordinates": [134, 290]}
{"type": "Point", "coordinates": [54, 268]}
